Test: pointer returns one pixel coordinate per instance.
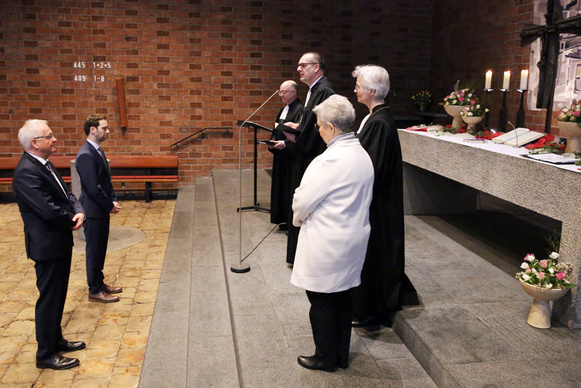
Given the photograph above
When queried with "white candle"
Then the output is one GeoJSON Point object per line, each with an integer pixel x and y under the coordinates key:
{"type": "Point", "coordinates": [488, 80]}
{"type": "Point", "coordinates": [524, 77]}
{"type": "Point", "coordinates": [506, 80]}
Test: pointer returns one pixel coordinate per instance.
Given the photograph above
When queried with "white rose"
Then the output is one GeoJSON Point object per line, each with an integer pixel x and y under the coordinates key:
{"type": "Point", "coordinates": [554, 255]}
{"type": "Point", "coordinates": [524, 265]}
{"type": "Point", "coordinates": [549, 285]}
{"type": "Point", "coordinates": [552, 270]}
{"type": "Point", "coordinates": [525, 277]}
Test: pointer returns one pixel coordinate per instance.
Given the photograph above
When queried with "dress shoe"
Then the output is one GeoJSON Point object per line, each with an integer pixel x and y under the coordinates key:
{"type": "Point", "coordinates": [363, 322]}
{"type": "Point", "coordinates": [57, 362]}
{"type": "Point", "coordinates": [113, 290]}
{"type": "Point", "coordinates": [315, 363]}
{"type": "Point", "coordinates": [69, 346]}
{"type": "Point", "coordinates": [343, 363]}
{"type": "Point", "coordinates": [103, 297]}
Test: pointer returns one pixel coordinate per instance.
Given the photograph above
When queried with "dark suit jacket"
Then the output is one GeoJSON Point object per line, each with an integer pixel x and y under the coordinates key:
{"type": "Point", "coordinates": [46, 211]}
{"type": "Point", "coordinates": [97, 195]}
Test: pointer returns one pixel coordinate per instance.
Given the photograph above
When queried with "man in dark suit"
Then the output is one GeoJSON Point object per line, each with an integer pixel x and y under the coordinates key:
{"type": "Point", "coordinates": [308, 142]}
{"type": "Point", "coordinates": [99, 201]}
{"type": "Point", "coordinates": [280, 190]}
{"type": "Point", "coordinates": [50, 213]}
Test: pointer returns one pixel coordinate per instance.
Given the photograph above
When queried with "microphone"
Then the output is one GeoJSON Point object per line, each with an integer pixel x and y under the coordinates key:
{"type": "Point", "coordinates": [260, 107]}
{"type": "Point", "coordinates": [240, 268]}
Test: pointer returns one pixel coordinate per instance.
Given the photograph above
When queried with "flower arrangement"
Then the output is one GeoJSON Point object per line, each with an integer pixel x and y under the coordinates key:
{"type": "Point", "coordinates": [546, 145]}
{"type": "Point", "coordinates": [547, 273]}
{"type": "Point", "coordinates": [571, 113]}
{"type": "Point", "coordinates": [422, 97]}
{"type": "Point", "coordinates": [460, 97]}
{"type": "Point", "coordinates": [474, 110]}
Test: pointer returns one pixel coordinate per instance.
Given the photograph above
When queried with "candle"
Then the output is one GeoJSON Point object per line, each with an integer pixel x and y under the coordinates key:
{"type": "Point", "coordinates": [488, 80]}
{"type": "Point", "coordinates": [524, 77]}
{"type": "Point", "coordinates": [506, 80]}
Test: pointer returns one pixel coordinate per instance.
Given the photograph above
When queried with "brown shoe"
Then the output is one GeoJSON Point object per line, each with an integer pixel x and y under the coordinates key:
{"type": "Point", "coordinates": [103, 297]}
{"type": "Point", "coordinates": [113, 290]}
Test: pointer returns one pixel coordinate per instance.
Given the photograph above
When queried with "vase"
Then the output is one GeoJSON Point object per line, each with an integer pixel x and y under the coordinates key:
{"type": "Point", "coordinates": [471, 121]}
{"type": "Point", "coordinates": [454, 111]}
{"type": "Point", "coordinates": [540, 314]}
{"type": "Point", "coordinates": [572, 132]}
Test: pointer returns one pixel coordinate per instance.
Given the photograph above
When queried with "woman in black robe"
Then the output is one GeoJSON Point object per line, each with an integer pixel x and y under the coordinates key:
{"type": "Point", "coordinates": [384, 288]}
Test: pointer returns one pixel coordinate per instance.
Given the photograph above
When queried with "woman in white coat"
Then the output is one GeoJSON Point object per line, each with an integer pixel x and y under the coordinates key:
{"type": "Point", "coordinates": [331, 206]}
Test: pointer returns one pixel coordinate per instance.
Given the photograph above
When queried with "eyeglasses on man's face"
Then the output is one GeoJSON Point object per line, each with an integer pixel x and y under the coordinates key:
{"type": "Point", "coordinates": [48, 137]}
{"type": "Point", "coordinates": [303, 65]}
{"type": "Point", "coordinates": [283, 92]}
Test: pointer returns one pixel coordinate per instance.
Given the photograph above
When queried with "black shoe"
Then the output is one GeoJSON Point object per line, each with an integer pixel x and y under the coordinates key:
{"type": "Point", "coordinates": [69, 346]}
{"type": "Point", "coordinates": [57, 362]}
{"type": "Point", "coordinates": [282, 228]}
{"type": "Point", "coordinates": [343, 363]}
{"type": "Point", "coordinates": [367, 321]}
{"type": "Point", "coordinates": [315, 363]}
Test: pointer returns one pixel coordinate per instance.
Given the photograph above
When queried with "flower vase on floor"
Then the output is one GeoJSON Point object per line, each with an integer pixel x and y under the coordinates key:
{"type": "Point", "coordinates": [540, 314]}
{"type": "Point", "coordinates": [454, 111]}
{"type": "Point", "coordinates": [572, 132]}
{"type": "Point", "coordinates": [471, 121]}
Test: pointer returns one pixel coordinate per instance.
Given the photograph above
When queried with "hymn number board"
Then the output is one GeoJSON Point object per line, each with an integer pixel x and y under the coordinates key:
{"type": "Point", "coordinates": [81, 67]}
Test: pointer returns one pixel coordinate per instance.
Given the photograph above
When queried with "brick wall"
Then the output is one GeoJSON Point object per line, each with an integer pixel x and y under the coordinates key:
{"type": "Point", "coordinates": [472, 37]}
{"type": "Point", "coordinates": [192, 64]}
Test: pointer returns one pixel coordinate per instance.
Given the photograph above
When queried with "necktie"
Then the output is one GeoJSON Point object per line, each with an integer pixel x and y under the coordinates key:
{"type": "Point", "coordinates": [102, 153]}
{"type": "Point", "coordinates": [308, 96]}
{"type": "Point", "coordinates": [49, 167]}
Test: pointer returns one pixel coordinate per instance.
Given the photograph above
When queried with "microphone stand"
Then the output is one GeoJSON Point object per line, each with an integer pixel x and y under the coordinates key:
{"type": "Point", "coordinates": [240, 268]}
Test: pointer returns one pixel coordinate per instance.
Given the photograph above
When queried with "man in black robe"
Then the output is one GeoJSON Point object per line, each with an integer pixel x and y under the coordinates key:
{"type": "Point", "coordinates": [307, 143]}
{"type": "Point", "coordinates": [280, 190]}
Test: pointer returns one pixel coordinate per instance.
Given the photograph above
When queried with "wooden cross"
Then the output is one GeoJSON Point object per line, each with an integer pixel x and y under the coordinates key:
{"type": "Point", "coordinates": [548, 65]}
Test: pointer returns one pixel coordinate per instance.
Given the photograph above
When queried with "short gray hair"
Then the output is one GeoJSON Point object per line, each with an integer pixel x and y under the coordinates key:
{"type": "Point", "coordinates": [29, 131]}
{"type": "Point", "coordinates": [373, 77]}
{"type": "Point", "coordinates": [336, 110]}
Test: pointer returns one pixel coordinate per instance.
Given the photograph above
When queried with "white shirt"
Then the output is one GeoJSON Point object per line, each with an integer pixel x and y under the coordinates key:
{"type": "Point", "coordinates": [331, 206]}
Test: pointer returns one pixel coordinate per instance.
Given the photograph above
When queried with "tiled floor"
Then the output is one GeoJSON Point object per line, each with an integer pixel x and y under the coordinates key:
{"type": "Point", "coordinates": [116, 334]}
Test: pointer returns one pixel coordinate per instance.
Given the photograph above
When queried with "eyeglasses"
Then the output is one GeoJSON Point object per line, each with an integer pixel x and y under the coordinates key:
{"type": "Point", "coordinates": [44, 137]}
{"type": "Point", "coordinates": [357, 87]}
{"type": "Point", "coordinates": [303, 65]}
{"type": "Point", "coordinates": [283, 92]}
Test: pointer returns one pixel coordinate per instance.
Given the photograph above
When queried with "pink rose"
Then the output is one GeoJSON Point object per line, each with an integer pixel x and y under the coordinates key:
{"type": "Point", "coordinates": [561, 275]}
{"type": "Point", "coordinates": [541, 275]}
{"type": "Point", "coordinates": [544, 263]}
{"type": "Point", "coordinates": [529, 257]}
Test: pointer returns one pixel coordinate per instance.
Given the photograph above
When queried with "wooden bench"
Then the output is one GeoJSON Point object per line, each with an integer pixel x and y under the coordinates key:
{"type": "Point", "coordinates": [144, 169]}
{"type": "Point", "coordinates": [124, 169]}
{"type": "Point", "coordinates": [8, 164]}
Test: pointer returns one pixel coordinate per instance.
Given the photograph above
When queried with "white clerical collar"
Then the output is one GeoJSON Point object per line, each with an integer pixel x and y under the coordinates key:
{"type": "Point", "coordinates": [313, 84]}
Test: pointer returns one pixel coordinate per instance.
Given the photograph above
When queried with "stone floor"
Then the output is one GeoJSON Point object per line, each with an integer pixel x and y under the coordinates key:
{"type": "Point", "coordinates": [116, 334]}
{"type": "Point", "coordinates": [187, 320]}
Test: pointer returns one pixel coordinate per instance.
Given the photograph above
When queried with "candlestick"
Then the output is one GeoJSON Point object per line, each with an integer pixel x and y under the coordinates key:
{"type": "Point", "coordinates": [520, 114]}
{"type": "Point", "coordinates": [486, 115]}
{"type": "Point", "coordinates": [524, 77]}
{"type": "Point", "coordinates": [488, 80]}
{"type": "Point", "coordinates": [506, 79]}
{"type": "Point", "coordinates": [502, 115]}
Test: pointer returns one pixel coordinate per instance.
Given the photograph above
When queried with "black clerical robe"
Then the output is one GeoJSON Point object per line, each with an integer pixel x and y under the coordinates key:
{"type": "Point", "coordinates": [280, 189]}
{"type": "Point", "coordinates": [384, 286]}
{"type": "Point", "coordinates": [308, 146]}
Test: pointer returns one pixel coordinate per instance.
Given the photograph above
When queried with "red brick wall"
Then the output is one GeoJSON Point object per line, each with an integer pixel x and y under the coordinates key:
{"type": "Point", "coordinates": [474, 36]}
{"type": "Point", "coordinates": [192, 64]}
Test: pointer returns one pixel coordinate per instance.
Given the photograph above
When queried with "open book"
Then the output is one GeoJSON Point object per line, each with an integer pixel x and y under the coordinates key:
{"type": "Point", "coordinates": [518, 137]}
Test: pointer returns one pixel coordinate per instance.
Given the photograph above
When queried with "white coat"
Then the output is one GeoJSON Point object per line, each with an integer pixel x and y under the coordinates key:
{"type": "Point", "coordinates": [331, 206]}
